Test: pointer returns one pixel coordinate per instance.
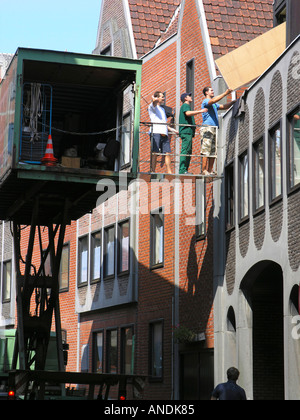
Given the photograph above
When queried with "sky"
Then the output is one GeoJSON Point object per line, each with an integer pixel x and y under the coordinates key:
{"type": "Point", "coordinates": [63, 25]}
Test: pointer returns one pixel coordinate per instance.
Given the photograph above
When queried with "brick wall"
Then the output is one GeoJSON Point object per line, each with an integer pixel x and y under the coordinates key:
{"type": "Point", "coordinates": [196, 275]}
{"type": "Point", "coordinates": [67, 298]}
{"type": "Point", "coordinates": [196, 257]}
{"type": "Point", "coordinates": [114, 31]}
{"type": "Point", "coordinates": [159, 73]}
{"type": "Point", "coordinates": [155, 291]}
{"type": "Point", "coordinates": [192, 47]}
{"type": "Point", "coordinates": [156, 286]}
{"type": "Point", "coordinates": [69, 316]}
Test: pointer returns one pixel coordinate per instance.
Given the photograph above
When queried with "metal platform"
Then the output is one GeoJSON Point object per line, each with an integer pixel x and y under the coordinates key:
{"type": "Point", "coordinates": [53, 186]}
{"type": "Point", "coordinates": [79, 99]}
{"type": "Point", "coordinates": [19, 382]}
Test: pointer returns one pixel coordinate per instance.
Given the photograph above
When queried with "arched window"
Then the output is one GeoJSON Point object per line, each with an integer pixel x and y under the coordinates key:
{"type": "Point", "coordinates": [231, 323]}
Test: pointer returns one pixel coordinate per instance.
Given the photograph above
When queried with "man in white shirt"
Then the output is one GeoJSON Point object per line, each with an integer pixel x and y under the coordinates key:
{"type": "Point", "coordinates": [159, 131]}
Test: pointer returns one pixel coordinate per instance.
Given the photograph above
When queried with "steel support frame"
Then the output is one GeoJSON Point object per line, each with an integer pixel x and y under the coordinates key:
{"type": "Point", "coordinates": [19, 380]}
{"type": "Point", "coordinates": [34, 286]}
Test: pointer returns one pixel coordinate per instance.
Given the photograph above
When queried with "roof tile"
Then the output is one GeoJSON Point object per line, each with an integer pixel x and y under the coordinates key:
{"type": "Point", "coordinates": [156, 15]}
{"type": "Point", "coordinates": [230, 23]}
{"type": "Point", "coordinates": [238, 22]}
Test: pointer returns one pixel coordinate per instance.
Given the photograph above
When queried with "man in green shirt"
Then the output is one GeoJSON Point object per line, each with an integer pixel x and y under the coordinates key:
{"type": "Point", "coordinates": [187, 130]}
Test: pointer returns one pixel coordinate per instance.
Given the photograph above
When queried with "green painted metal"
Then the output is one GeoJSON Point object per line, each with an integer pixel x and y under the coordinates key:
{"type": "Point", "coordinates": [73, 59]}
{"type": "Point", "coordinates": [27, 64]}
{"type": "Point", "coordinates": [7, 344]}
{"type": "Point", "coordinates": [62, 57]}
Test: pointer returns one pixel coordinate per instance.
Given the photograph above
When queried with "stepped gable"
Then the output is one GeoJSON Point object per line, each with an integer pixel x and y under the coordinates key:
{"type": "Point", "coordinates": [231, 23]}
{"type": "Point", "coordinates": [150, 20]}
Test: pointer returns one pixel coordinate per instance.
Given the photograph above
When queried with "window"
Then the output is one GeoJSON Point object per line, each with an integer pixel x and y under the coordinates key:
{"type": "Point", "coordinates": [294, 145]}
{"type": "Point", "coordinates": [229, 179]}
{"type": "Point", "coordinates": [190, 78]}
{"type": "Point", "coordinates": [244, 185]}
{"type": "Point", "coordinates": [259, 174]}
{"type": "Point", "coordinates": [157, 239]}
{"type": "Point", "coordinates": [106, 51]}
{"type": "Point", "coordinates": [112, 351]}
{"type": "Point", "coordinates": [47, 265]}
{"type": "Point", "coordinates": [156, 350]}
{"type": "Point", "coordinates": [231, 322]}
{"type": "Point", "coordinates": [275, 162]}
{"type": "Point", "coordinates": [109, 251]}
{"type": "Point", "coordinates": [85, 350]}
{"type": "Point", "coordinates": [6, 283]}
{"type": "Point", "coordinates": [98, 352]}
{"type": "Point", "coordinates": [96, 256]}
{"type": "Point", "coordinates": [200, 209]}
{"type": "Point", "coordinates": [123, 247]}
{"type": "Point", "coordinates": [64, 268]}
{"type": "Point", "coordinates": [127, 350]}
{"type": "Point", "coordinates": [280, 16]}
{"type": "Point", "coordinates": [83, 250]}
{"type": "Point", "coordinates": [125, 154]}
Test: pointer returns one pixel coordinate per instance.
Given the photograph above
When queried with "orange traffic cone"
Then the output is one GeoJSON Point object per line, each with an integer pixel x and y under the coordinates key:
{"type": "Point", "coordinates": [49, 159]}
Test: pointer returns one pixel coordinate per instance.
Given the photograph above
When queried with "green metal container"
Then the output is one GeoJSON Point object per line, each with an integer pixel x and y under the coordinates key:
{"type": "Point", "coordinates": [7, 343]}
{"type": "Point", "coordinates": [78, 100]}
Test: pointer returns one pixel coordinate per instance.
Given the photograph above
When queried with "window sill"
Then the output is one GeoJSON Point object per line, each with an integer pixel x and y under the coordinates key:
{"type": "Point", "coordinates": [156, 266]}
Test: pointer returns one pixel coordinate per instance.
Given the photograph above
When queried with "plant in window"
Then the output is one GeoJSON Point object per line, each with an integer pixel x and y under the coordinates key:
{"type": "Point", "coordinates": [182, 334]}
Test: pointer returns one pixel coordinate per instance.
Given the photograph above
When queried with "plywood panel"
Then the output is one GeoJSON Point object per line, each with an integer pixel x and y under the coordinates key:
{"type": "Point", "coordinates": [249, 61]}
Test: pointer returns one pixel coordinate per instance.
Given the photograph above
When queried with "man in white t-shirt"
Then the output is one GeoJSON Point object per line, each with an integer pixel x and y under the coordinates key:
{"type": "Point", "coordinates": [159, 131]}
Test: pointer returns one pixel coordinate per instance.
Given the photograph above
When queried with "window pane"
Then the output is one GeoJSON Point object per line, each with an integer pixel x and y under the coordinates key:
{"type": "Point", "coordinates": [98, 352]}
{"type": "Point", "coordinates": [126, 141]}
{"type": "Point", "coordinates": [83, 260]}
{"type": "Point", "coordinates": [259, 171]}
{"type": "Point", "coordinates": [244, 173]}
{"type": "Point", "coordinates": [64, 268]}
{"type": "Point", "coordinates": [275, 163]}
{"type": "Point", "coordinates": [109, 252]}
{"type": "Point", "coordinates": [112, 350]}
{"type": "Point", "coordinates": [229, 196]}
{"type": "Point", "coordinates": [96, 256]}
{"type": "Point", "coordinates": [190, 79]}
{"type": "Point", "coordinates": [47, 266]}
{"type": "Point", "coordinates": [295, 148]}
{"type": "Point", "coordinates": [6, 281]}
{"type": "Point", "coordinates": [200, 208]}
{"type": "Point", "coordinates": [128, 351]}
{"type": "Point", "coordinates": [124, 247]}
{"type": "Point", "coordinates": [156, 350]}
{"type": "Point", "coordinates": [158, 239]}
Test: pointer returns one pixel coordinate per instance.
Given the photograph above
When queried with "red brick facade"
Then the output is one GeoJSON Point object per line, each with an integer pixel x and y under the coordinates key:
{"type": "Point", "coordinates": [69, 318]}
{"type": "Point", "coordinates": [179, 293]}
{"type": "Point", "coordinates": [189, 303]}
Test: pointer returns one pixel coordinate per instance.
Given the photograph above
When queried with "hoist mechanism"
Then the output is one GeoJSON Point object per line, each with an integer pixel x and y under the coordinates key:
{"type": "Point", "coordinates": [54, 116]}
{"type": "Point", "coordinates": [37, 292]}
{"type": "Point", "coordinates": [36, 288]}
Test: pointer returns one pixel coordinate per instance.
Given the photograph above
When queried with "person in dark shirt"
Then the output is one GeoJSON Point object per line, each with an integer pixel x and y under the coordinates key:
{"type": "Point", "coordinates": [229, 391]}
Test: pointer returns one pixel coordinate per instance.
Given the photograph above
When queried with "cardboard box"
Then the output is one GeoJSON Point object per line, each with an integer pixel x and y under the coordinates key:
{"type": "Point", "coordinates": [248, 62]}
{"type": "Point", "coordinates": [70, 162]}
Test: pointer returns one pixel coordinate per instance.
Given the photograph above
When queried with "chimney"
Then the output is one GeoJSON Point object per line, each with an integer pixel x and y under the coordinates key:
{"type": "Point", "coordinates": [293, 20]}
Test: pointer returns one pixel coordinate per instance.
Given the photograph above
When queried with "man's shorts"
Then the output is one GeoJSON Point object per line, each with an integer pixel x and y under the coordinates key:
{"type": "Point", "coordinates": [208, 141]}
{"type": "Point", "coordinates": [160, 143]}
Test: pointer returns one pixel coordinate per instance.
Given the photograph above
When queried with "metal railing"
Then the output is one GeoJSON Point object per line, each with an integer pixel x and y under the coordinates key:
{"type": "Point", "coordinates": [196, 166]}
